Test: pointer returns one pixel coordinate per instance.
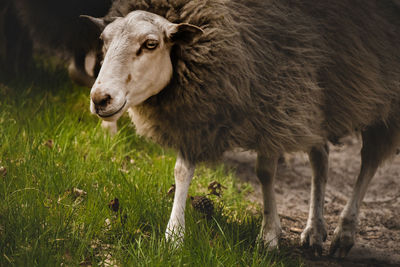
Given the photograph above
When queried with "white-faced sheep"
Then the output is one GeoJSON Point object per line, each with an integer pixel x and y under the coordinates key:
{"type": "Point", "coordinates": [203, 77]}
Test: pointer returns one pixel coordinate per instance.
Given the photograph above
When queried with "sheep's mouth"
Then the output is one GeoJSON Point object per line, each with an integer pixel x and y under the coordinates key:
{"type": "Point", "coordinates": [108, 115]}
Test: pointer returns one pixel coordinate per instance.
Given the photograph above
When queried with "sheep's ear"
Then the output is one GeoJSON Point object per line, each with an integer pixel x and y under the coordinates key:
{"type": "Point", "coordinates": [185, 33]}
{"type": "Point", "coordinates": [98, 22]}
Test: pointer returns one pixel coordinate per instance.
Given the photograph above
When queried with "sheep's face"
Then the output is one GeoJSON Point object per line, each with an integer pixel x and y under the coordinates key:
{"type": "Point", "coordinates": [137, 63]}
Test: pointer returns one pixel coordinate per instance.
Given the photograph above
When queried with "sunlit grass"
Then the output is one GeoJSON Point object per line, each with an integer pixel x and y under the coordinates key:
{"type": "Point", "coordinates": [63, 170]}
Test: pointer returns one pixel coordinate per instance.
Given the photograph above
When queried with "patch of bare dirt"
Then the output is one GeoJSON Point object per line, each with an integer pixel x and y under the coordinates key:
{"type": "Point", "coordinates": [378, 237]}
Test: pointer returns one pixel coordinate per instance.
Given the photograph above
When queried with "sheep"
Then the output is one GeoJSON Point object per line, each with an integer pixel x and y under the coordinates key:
{"type": "Point", "coordinates": [56, 25]}
{"type": "Point", "coordinates": [15, 43]}
{"type": "Point", "coordinates": [203, 77]}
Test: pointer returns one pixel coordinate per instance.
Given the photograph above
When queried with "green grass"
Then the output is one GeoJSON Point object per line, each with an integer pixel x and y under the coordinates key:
{"type": "Point", "coordinates": [50, 145]}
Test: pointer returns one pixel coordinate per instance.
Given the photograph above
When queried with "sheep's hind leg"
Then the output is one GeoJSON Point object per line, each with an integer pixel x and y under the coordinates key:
{"type": "Point", "coordinates": [315, 232]}
{"type": "Point", "coordinates": [183, 176]}
{"type": "Point", "coordinates": [271, 226]}
{"type": "Point", "coordinates": [378, 143]}
{"type": "Point", "coordinates": [77, 71]}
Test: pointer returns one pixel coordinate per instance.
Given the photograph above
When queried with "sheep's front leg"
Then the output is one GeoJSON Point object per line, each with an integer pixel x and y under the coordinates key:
{"type": "Point", "coordinates": [110, 126]}
{"type": "Point", "coordinates": [315, 232]}
{"type": "Point", "coordinates": [271, 226]}
{"type": "Point", "coordinates": [183, 175]}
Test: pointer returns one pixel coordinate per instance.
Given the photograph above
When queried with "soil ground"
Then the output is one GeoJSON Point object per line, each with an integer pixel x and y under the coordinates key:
{"type": "Point", "coordinates": [378, 235]}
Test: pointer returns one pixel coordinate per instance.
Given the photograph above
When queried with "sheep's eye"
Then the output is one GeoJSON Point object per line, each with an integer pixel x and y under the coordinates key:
{"type": "Point", "coordinates": [151, 44]}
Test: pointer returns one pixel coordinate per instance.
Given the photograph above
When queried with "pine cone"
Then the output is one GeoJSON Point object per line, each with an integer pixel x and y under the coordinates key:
{"type": "Point", "coordinates": [203, 205]}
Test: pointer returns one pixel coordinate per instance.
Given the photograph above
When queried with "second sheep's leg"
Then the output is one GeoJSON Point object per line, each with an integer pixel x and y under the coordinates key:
{"type": "Point", "coordinates": [3, 37]}
{"type": "Point", "coordinates": [271, 226]}
{"type": "Point", "coordinates": [315, 232]}
{"type": "Point", "coordinates": [77, 71]}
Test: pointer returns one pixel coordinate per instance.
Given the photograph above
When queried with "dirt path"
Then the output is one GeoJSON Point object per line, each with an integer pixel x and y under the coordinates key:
{"type": "Point", "coordinates": [378, 237]}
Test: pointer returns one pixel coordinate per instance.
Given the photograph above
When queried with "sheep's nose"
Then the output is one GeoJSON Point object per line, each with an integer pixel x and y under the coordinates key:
{"type": "Point", "coordinates": [100, 100]}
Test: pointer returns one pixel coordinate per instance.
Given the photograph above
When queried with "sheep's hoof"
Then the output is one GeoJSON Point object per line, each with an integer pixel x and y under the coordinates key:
{"type": "Point", "coordinates": [343, 241]}
{"type": "Point", "coordinates": [270, 238]}
{"type": "Point", "coordinates": [174, 235]}
{"type": "Point", "coordinates": [313, 236]}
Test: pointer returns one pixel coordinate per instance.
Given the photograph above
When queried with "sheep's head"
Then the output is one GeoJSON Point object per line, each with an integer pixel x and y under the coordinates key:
{"type": "Point", "coordinates": [137, 63]}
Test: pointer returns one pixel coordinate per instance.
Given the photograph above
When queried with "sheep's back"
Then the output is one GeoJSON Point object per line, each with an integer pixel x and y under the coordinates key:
{"type": "Point", "coordinates": [362, 81]}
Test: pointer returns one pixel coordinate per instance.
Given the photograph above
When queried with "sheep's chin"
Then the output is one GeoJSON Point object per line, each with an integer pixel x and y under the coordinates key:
{"type": "Point", "coordinates": [115, 115]}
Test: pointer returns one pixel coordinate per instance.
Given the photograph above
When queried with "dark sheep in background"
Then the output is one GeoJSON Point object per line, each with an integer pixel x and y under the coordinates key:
{"type": "Point", "coordinates": [56, 25]}
{"type": "Point", "coordinates": [15, 43]}
{"type": "Point", "coordinates": [203, 77]}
